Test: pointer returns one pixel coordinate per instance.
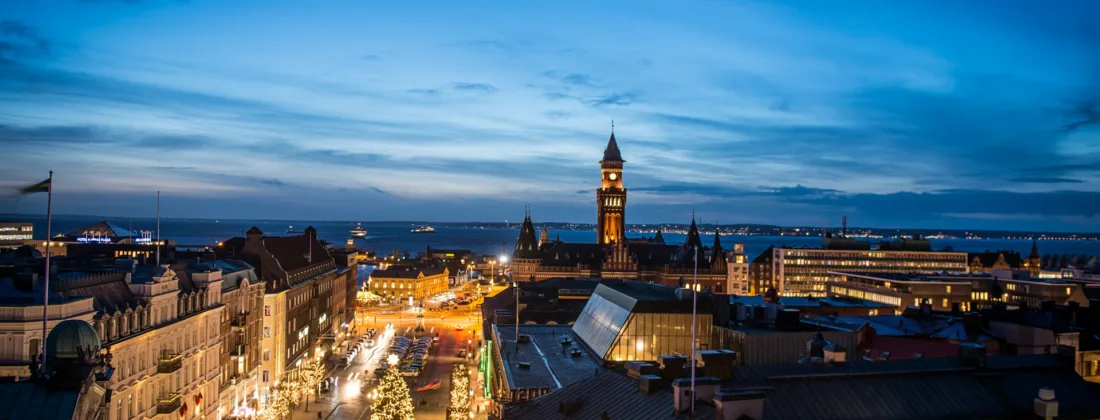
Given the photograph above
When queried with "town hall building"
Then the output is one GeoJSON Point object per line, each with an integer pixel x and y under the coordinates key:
{"type": "Point", "coordinates": [614, 255]}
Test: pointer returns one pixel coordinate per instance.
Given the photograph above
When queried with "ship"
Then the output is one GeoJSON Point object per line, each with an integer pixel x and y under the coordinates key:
{"type": "Point", "coordinates": [358, 232]}
{"type": "Point", "coordinates": [424, 229]}
{"type": "Point", "coordinates": [290, 229]}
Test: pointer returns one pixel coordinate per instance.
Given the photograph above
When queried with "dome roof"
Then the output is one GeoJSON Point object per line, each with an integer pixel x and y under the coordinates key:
{"type": "Point", "coordinates": [72, 339]}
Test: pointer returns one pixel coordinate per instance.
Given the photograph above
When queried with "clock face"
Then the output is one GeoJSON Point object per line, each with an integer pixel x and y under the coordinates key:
{"type": "Point", "coordinates": [613, 176]}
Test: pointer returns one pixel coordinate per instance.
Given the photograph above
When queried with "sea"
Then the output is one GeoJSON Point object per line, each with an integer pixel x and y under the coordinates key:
{"type": "Point", "coordinates": [385, 237]}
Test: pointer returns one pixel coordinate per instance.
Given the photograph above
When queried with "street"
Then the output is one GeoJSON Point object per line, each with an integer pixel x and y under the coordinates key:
{"type": "Point", "coordinates": [348, 399]}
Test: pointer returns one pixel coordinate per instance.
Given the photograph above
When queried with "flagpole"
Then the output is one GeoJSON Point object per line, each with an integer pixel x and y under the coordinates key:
{"type": "Point", "coordinates": [158, 229]}
{"type": "Point", "coordinates": [694, 305]}
{"type": "Point", "coordinates": [46, 289]}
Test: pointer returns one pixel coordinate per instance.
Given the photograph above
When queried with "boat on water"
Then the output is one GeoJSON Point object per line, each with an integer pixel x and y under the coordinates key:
{"type": "Point", "coordinates": [358, 232]}
{"type": "Point", "coordinates": [433, 384]}
{"type": "Point", "coordinates": [290, 229]}
{"type": "Point", "coordinates": [424, 229]}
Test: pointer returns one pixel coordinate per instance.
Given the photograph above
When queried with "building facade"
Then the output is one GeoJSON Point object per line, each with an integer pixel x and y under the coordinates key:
{"type": "Point", "coordinates": [415, 282]}
{"type": "Point", "coordinates": [809, 271]}
{"type": "Point", "coordinates": [15, 234]}
{"type": "Point", "coordinates": [737, 271]}
{"type": "Point", "coordinates": [613, 255]}
{"type": "Point", "coordinates": [300, 312]}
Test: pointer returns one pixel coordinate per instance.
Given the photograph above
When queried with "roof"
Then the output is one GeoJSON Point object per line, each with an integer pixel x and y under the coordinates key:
{"type": "Point", "coordinates": [296, 252]}
{"type": "Point", "coordinates": [611, 152]}
{"type": "Point", "coordinates": [641, 297]}
{"type": "Point", "coordinates": [907, 324]}
{"type": "Point", "coordinates": [607, 392]}
{"type": "Point", "coordinates": [109, 291]}
{"type": "Point", "coordinates": [103, 228]}
{"type": "Point", "coordinates": [550, 366]}
{"type": "Point", "coordinates": [34, 400]}
{"type": "Point", "coordinates": [232, 271]}
{"type": "Point", "coordinates": [527, 245]}
{"type": "Point", "coordinates": [988, 258]}
{"type": "Point", "coordinates": [407, 272]}
{"type": "Point", "coordinates": [918, 389]}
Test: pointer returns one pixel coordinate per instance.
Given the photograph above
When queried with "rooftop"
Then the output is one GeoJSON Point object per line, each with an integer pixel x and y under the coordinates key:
{"type": "Point", "coordinates": [804, 302]}
{"type": "Point", "coordinates": [641, 297]}
{"type": "Point", "coordinates": [905, 389]}
{"type": "Point", "coordinates": [907, 324]}
{"type": "Point", "coordinates": [547, 363]}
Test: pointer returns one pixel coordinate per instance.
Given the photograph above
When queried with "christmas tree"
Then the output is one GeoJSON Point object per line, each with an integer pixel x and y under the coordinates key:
{"type": "Point", "coordinates": [460, 393]}
{"type": "Point", "coordinates": [393, 401]}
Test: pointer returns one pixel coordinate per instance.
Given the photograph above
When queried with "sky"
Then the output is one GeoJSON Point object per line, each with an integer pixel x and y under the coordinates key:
{"type": "Point", "coordinates": [950, 114]}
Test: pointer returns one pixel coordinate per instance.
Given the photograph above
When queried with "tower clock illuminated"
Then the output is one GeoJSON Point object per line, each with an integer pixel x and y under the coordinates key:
{"type": "Point", "coordinates": [611, 197]}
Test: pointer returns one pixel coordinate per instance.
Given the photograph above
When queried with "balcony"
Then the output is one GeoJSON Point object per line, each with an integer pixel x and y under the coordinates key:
{"type": "Point", "coordinates": [239, 320]}
{"type": "Point", "coordinates": [238, 351]}
{"type": "Point", "coordinates": [169, 403]}
{"type": "Point", "coordinates": [169, 363]}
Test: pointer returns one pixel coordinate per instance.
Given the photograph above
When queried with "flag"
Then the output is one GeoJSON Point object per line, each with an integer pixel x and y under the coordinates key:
{"type": "Point", "coordinates": [43, 186]}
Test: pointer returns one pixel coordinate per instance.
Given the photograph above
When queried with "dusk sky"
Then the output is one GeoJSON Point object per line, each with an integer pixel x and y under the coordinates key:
{"type": "Point", "coordinates": [952, 114]}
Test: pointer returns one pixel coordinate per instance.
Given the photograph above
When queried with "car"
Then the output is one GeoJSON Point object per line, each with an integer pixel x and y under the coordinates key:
{"type": "Point", "coordinates": [343, 362]}
{"type": "Point", "coordinates": [409, 372]}
{"type": "Point", "coordinates": [459, 329]}
{"type": "Point", "coordinates": [436, 338]}
{"type": "Point", "coordinates": [462, 353]}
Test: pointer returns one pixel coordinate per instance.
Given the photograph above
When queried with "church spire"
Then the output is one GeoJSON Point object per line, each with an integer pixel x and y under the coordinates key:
{"type": "Point", "coordinates": [1034, 250]}
{"type": "Point", "coordinates": [611, 152]}
{"type": "Point", "coordinates": [693, 235]}
{"type": "Point", "coordinates": [717, 254]}
{"type": "Point", "coordinates": [527, 244]}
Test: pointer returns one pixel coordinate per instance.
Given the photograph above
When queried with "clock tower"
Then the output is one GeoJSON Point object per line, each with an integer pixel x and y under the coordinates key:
{"type": "Point", "coordinates": [611, 197]}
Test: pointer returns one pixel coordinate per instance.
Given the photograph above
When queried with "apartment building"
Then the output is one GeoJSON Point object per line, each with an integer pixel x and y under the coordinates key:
{"type": "Point", "coordinates": [808, 271]}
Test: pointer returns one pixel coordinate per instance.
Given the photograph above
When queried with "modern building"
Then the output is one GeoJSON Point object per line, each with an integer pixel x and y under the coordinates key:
{"type": "Point", "coordinates": [737, 272]}
{"type": "Point", "coordinates": [299, 308]}
{"type": "Point", "coordinates": [15, 234]}
{"type": "Point", "coordinates": [414, 282]}
{"type": "Point", "coordinates": [808, 271]}
{"type": "Point", "coordinates": [963, 292]}
{"type": "Point", "coordinates": [636, 321]}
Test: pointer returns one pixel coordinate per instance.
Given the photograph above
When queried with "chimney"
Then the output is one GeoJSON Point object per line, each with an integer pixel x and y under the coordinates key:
{"type": "Point", "coordinates": [705, 389]}
{"type": "Point", "coordinates": [717, 363]}
{"type": "Point", "coordinates": [638, 369]}
{"type": "Point", "coordinates": [835, 354]}
{"type": "Point", "coordinates": [972, 354]}
{"type": "Point", "coordinates": [972, 321]}
{"type": "Point", "coordinates": [733, 405]}
{"type": "Point", "coordinates": [647, 384]}
{"type": "Point", "coordinates": [26, 282]}
{"type": "Point", "coordinates": [672, 367]}
{"type": "Point", "coordinates": [1045, 404]}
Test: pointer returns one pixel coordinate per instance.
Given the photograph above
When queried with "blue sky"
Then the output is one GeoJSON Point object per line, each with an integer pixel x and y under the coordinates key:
{"type": "Point", "coordinates": [973, 114]}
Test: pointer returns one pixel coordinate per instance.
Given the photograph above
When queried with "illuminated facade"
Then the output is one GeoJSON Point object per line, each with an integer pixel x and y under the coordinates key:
{"type": "Point", "coordinates": [614, 255]}
{"type": "Point", "coordinates": [611, 197]}
{"type": "Point", "coordinates": [737, 271]}
{"type": "Point", "coordinates": [964, 292]}
{"type": "Point", "coordinates": [404, 282]}
{"type": "Point", "coordinates": [300, 312]}
{"type": "Point", "coordinates": [641, 321]}
{"type": "Point", "coordinates": [15, 234]}
{"type": "Point", "coordinates": [808, 271]}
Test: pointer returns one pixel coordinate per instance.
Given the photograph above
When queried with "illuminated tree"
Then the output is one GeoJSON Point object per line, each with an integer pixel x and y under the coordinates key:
{"type": "Point", "coordinates": [309, 377]}
{"type": "Point", "coordinates": [279, 406]}
{"type": "Point", "coordinates": [460, 393]}
{"type": "Point", "coordinates": [393, 401]}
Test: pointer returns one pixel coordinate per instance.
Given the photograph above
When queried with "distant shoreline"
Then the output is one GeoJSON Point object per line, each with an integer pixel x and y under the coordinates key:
{"type": "Point", "coordinates": [726, 229]}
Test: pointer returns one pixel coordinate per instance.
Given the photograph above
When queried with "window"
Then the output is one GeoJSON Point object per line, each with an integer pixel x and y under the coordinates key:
{"type": "Point", "coordinates": [267, 332]}
{"type": "Point", "coordinates": [267, 376]}
{"type": "Point", "coordinates": [948, 289]}
{"type": "Point", "coordinates": [34, 348]}
{"type": "Point", "coordinates": [267, 355]}
{"type": "Point", "coordinates": [267, 310]}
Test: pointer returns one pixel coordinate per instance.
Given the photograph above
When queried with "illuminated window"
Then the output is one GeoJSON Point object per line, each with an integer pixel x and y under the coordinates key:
{"type": "Point", "coordinates": [948, 289]}
{"type": "Point", "coordinates": [1069, 291]}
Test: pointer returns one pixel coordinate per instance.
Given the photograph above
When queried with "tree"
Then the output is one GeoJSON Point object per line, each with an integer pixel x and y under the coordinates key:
{"type": "Point", "coordinates": [310, 377]}
{"type": "Point", "coordinates": [460, 393]}
{"type": "Point", "coordinates": [393, 401]}
{"type": "Point", "coordinates": [279, 406]}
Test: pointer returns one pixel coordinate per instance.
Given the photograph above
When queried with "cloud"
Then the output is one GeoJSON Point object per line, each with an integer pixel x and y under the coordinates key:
{"type": "Point", "coordinates": [272, 182]}
{"type": "Point", "coordinates": [1050, 180]}
{"type": "Point", "coordinates": [558, 115]}
{"type": "Point", "coordinates": [19, 40]}
{"type": "Point", "coordinates": [425, 92]}
{"type": "Point", "coordinates": [615, 99]}
{"type": "Point", "coordinates": [578, 79]}
{"type": "Point", "coordinates": [475, 87]}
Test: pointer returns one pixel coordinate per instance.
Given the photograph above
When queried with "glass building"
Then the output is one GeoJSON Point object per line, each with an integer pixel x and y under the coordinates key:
{"type": "Point", "coordinates": [633, 320]}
